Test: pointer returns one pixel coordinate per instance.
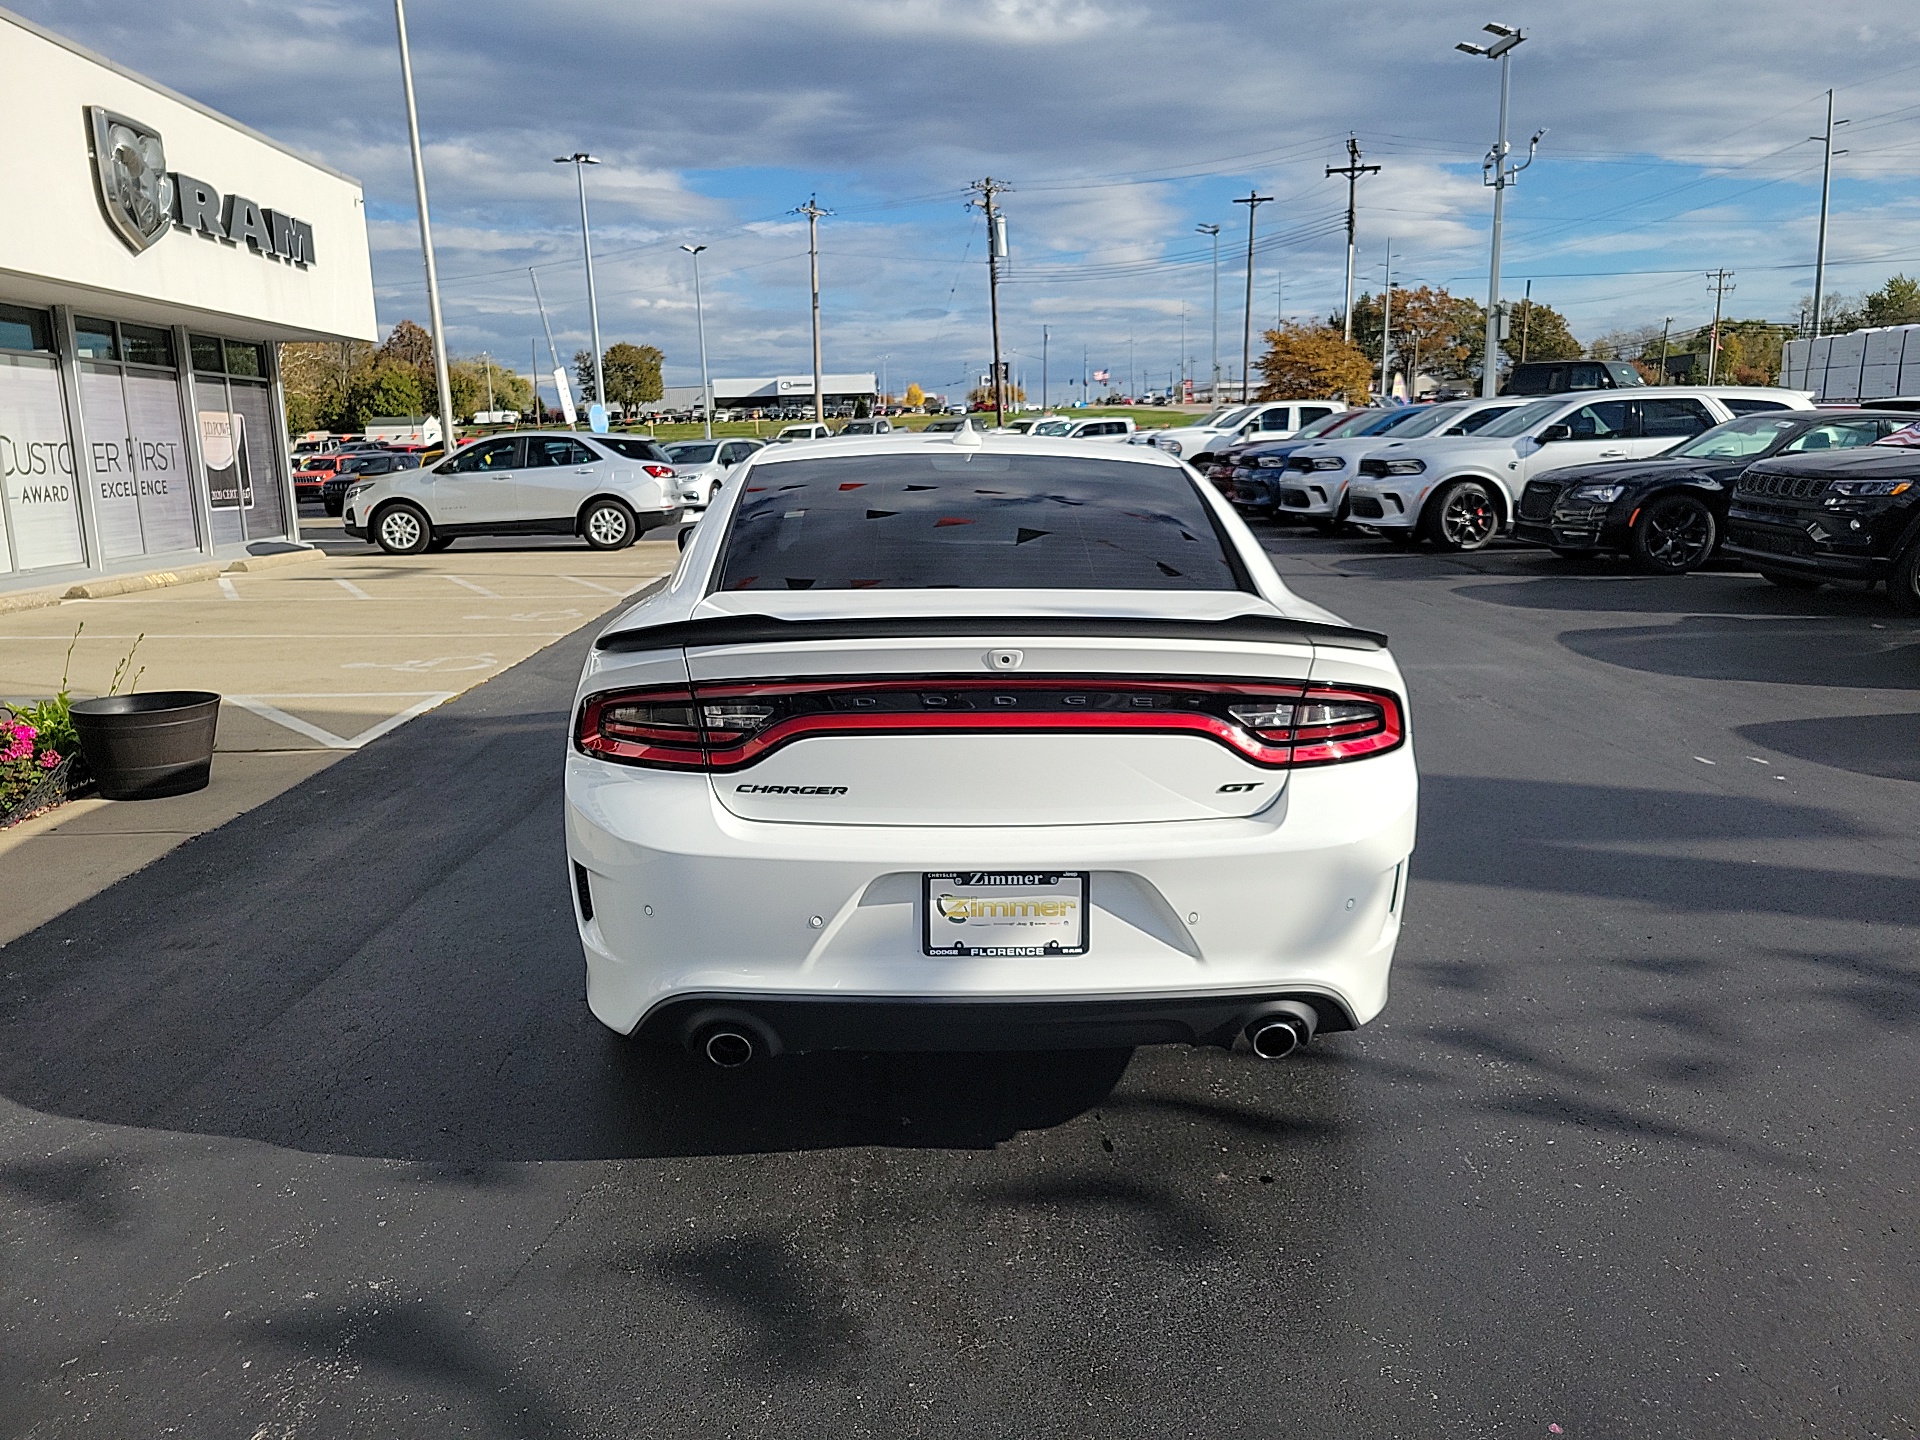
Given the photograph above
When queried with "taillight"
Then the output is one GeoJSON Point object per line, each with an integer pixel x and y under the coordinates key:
{"type": "Point", "coordinates": [730, 725]}
{"type": "Point", "coordinates": [659, 472]}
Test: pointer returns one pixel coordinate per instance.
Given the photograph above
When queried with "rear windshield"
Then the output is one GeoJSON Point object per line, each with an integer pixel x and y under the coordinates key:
{"type": "Point", "coordinates": [972, 522]}
{"type": "Point", "coordinates": [696, 453]}
{"type": "Point", "coordinates": [634, 448]}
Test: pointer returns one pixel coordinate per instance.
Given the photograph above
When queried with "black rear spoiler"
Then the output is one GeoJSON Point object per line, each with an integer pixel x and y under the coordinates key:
{"type": "Point", "coordinates": [762, 629]}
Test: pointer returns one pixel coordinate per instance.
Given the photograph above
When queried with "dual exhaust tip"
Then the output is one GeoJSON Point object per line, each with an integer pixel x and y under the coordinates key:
{"type": "Point", "coordinates": [1273, 1035]}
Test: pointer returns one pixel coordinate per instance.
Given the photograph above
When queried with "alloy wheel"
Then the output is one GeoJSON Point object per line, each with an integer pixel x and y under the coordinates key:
{"type": "Point", "coordinates": [607, 526]}
{"type": "Point", "coordinates": [400, 529]}
{"type": "Point", "coordinates": [1468, 518]}
{"type": "Point", "coordinates": [1678, 534]}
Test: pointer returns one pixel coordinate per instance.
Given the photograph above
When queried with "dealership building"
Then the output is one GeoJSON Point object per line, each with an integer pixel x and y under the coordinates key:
{"type": "Point", "coordinates": [153, 252]}
{"type": "Point", "coordinates": [771, 392]}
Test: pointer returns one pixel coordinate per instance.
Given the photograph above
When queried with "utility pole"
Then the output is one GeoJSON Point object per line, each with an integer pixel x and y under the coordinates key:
{"type": "Point", "coordinates": [1719, 279]}
{"type": "Point", "coordinates": [1043, 369]}
{"type": "Point", "coordinates": [1665, 331]}
{"type": "Point", "coordinates": [559, 373]}
{"type": "Point", "coordinates": [487, 360]}
{"type": "Point", "coordinates": [984, 193]}
{"type": "Point", "coordinates": [444, 385]}
{"type": "Point", "coordinates": [813, 212]}
{"type": "Point", "coordinates": [1526, 320]}
{"type": "Point", "coordinates": [1353, 170]}
{"type": "Point", "coordinates": [1386, 323]}
{"type": "Point", "coordinates": [1826, 190]}
{"type": "Point", "coordinates": [1213, 395]}
{"type": "Point", "coordinates": [1495, 171]}
{"type": "Point", "coordinates": [533, 359]}
{"type": "Point", "coordinates": [1253, 200]}
{"type": "Point", "coordinates": [580, 160]}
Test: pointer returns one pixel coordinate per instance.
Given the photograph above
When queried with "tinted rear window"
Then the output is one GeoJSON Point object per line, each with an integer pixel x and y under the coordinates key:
{"type": "Point", "coordinates": [980, 521]}
{"type": "Point", "coordinates": [634, 448]}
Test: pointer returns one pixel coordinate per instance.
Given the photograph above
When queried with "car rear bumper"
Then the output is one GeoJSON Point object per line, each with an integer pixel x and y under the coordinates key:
{"type": "Point", "coordinates": [1191, 922]}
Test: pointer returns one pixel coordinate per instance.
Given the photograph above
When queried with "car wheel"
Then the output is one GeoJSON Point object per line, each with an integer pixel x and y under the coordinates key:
{"type": "Point", "coordinates": [1464, 516]}
{"type": "Point", "coordinates": [402, 529]}
{"type": "Point", "coordinates": [1791, 582]}
{"type": "Point", "coordinates": [1674, 534]}
{"type": "Point", "coordinates": [1903, 580]}
{"type": "Point", "coordinates": [608, 525]}
{"type": "Point", "coordinates": [439, 543]}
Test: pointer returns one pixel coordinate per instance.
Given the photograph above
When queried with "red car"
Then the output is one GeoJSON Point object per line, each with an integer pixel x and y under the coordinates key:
{"type": "Point", "coordinates": [311, 473]}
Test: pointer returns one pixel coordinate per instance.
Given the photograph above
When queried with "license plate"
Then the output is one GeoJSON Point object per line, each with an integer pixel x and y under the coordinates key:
{"type": "Point", "coordinates": [1005, 912]}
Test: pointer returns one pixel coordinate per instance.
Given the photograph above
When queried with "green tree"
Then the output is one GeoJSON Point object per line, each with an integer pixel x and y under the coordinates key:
{"type": "Point", "coordinates": [1895, 303]}
{"type": "Point", "coordinates": [1313, 362]}
{"type": "Point", "coordinates": [385, 387]}
{"type": "Point", "coordinates": [410, 345]}
{"type": "Point", "coordinates": [633, 375]}
{"type": "Point", "coordinates": [1539, 332]}
{"type": "Point", "coordinates": [1437, 331]}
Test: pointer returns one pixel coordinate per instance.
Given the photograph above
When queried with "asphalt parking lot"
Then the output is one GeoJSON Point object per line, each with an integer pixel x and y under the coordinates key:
{"type": "Point", "coordinates": [334, 1148]}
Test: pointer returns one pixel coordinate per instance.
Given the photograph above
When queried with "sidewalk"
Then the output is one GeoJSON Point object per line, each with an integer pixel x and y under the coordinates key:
{"type": "Point", "coordinates": [312, 662]}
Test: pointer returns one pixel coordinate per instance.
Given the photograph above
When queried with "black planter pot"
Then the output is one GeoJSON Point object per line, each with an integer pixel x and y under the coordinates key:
{"type": "Point", "coordinates": [141, 747]}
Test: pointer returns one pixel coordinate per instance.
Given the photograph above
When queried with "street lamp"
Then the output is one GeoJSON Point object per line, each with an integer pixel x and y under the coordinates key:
{"type": "Point", "coordinates": [1499, 174]}
{"type": "Point", "coordinates": [1213, 393]}
{"type": "Point", "coordinates": [442, 384]}
{"type": "Point", "coordinates": [700, 316]}
{"type": "Point", "coordinates": [579, 159]}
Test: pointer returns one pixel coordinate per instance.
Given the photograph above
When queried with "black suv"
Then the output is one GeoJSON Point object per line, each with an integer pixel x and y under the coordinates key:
{"type": "Point", "coordinates": [1556, 377]}
{"type": "Point", "coordinates": [362, 465]}
{"type": "Point", "coordinates": [1669, 513]}
{"type": "Point", "coordinates": [1810, 518]}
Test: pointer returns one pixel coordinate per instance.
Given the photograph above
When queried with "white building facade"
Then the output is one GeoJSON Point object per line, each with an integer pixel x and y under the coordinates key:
{"type": "Point", "coordinates": [153, 253]}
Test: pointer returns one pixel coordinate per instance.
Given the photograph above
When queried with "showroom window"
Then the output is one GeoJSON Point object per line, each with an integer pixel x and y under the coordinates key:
{"type": "Point", "coordinates": [143, 502]}
{"type": "Point", "coordinates": [39, 500]}
{"type": "Point", "coordinates": [246, 486]}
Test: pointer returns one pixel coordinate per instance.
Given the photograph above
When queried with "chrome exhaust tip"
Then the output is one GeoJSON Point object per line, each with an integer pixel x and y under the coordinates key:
{"type": "Point", "coordinates": [1282, 1030]}
{"type": "Point", "coordinates": [729, 1049]}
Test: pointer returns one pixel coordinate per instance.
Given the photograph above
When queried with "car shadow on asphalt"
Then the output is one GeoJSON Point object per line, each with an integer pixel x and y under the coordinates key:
{"type": "Point", "coordinates": [383, 961]}
{"type": "Point", "coordinates": [1884, 746]}
{"type": "Point", "coordinates": [1787, 651]}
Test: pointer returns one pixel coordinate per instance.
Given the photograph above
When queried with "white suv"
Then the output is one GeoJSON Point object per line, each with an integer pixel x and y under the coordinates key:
{"type": "Point", "coordinates": [1460, 493]}
{"type": "Point", "coordinates": [700, 466]}
{"type": "Point", "coordinates": [1241, 424]}
{"type": "Point", "coordinates": [1102, 427]}
{"type": "Point", "coordinates": [1314, 485]}
{"type": "Point", "coordinates": [608, 489]}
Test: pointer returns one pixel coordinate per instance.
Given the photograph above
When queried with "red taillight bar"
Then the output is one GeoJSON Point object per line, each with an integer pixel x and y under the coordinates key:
{"type": "Point", "coordinates": [669, 733]}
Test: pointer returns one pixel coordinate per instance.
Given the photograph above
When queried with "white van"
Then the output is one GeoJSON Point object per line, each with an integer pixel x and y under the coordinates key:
{"type": "Point", "coordinates": [1238, 424]}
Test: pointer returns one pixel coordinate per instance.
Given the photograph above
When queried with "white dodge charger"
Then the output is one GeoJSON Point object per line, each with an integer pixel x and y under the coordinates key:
{"type": "Point", "coordinates": [964, 742]}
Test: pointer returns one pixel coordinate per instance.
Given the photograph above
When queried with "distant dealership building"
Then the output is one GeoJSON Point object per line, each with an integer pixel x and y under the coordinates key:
{"type": "Point", "coordinates": [152, 254]}
{"type": "Point", "coordinates": [1873, 364]}
{"type": "Point", "coordinates": [771, 392]}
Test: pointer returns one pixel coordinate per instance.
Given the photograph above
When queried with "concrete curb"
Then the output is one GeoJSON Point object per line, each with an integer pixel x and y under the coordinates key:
{"type": "Point", "coordinates": [14, 600]}
{"type": "Point", "coordinates": [154, 580]}
{"type": "Point", "coordinates": [253, 564]}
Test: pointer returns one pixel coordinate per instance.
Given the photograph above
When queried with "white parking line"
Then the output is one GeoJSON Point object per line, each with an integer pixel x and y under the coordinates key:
{"type": "Point", "coordinates": [226, 589]}
{"type": "Point", "coordinates": [593, 585]}
{"type": "Point", "coordinates": [352, 589]}
{"type": "Point", "coordinates": [477, 589]}
{"type": "Point", "coordinates": [279, 717]}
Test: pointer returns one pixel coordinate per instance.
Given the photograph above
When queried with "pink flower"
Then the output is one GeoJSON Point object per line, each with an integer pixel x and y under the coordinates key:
{"type": "Point", "coordinates": [49, 759]}
{"type": "Point", "coordinates": [20, 749]}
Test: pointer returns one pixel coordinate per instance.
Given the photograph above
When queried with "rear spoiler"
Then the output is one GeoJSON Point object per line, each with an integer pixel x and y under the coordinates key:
{"type": "Point", "coordinates": [762, 629]}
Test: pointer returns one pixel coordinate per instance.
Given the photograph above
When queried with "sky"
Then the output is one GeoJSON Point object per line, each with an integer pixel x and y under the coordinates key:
{"type": "Point", "coordinates": [1677, 142]}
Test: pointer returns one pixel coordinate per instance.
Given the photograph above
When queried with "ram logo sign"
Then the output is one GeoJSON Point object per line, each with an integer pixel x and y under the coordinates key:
{"type": "Point", "coordinates": [142, 199]}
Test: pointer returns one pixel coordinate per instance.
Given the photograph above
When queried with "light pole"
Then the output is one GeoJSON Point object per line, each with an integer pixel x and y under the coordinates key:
{"type": "Point", "coordinates": [579, 160]}
{"type": "Point", "coordinates": [1043, 369]}
{"type": "Point", "coordinates": [1213, 395]}
{"type": "Point", "coordinates": [441, 381]}
{"type": "Point", "coordinates": [1499, 174]}
{"type": "Point", "coordinates": [700, 318]}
